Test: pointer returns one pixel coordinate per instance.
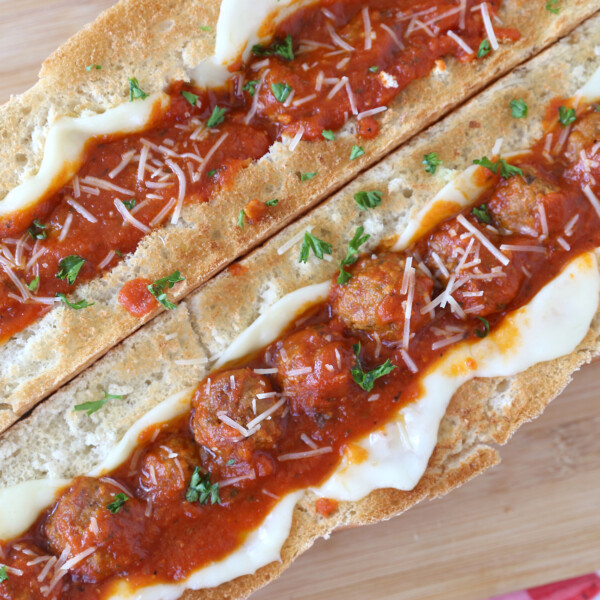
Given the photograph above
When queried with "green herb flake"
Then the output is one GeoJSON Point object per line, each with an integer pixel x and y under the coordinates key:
{"type": "Point", "coordinates": [506, 170]}
{"type": "Point", "coordinates": [366, 200]}
{"type": "Point", "coordinates": [272, 202]}
{"type": "Point", "coordinates": [129, 204]}
{"type": "Point", "coordinates": [310, 242]}
{"type": "Point", "coordinates": [551, 6]}
{"type": "Point", "coordinates": [250, 87]}
{"type": "Point", "coordinates": [205, 28]}
{"type": "Point", "coordinates": [34, 284]}
{"type": "Point", "coordinates": [283, 49]}
{"type": "Point", "coordinates": [566, 116]}
{"type": "Point", "coordinates": [157, 289]}
{"type": "Point", "coordinates": [230, 462]}
{"type": "Point", "coordinates": [91, 67]}
{"type": "Point", "coordinates": [202, 490]}
{"type": "Point", "coordinates": [135, 91]}
{"type": "Point", "coordinates": [356, 152]}
{"type": "Point", "coordinates": [191, 98]}
{"type": "Point", "coordinates": [216, 118]}
{"type": "Point", "coordinates": [91, 407]}
{"type": "Point", "coordinates": [431, 162]}
{"type": "Point", "coordinates": [69, 267]}
{"type": "Point", "coordinates": [281, 91]}
{"type": "Point", "coordinates": [486, 325]}
{"type": "Point", "coordinates": [36, 230]}
{"type": "Point", "coordinates": [482, 214]}
{"type": "Point", "coordinates": [328, 134]}
{"type": "Point", "coordinates": [117, 504]}
{"type": "Point", "coordinates": [240, 219]}
{"type": "Point", "coordinates": [352, 254]}
{"type": "Point", "coordinates": [374, 69]}
{"type": "Point", "coordinates": [212, 172]}
{"type": "Point", "coordinates": [3, 574]}
{"type": "Point", "coordinates": [519, 109]}
{"type": "Point", "coordinates": [366, 379]}
{"type": "Point", "coordinates": [307, 176]}
{"type": "Point", "coordinates": [484, 48]}
{"type": "Point", "coordinates": [74, 305]}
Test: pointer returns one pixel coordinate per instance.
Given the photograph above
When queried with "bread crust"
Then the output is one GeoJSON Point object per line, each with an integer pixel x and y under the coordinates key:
{"type": "Point", "coordinates": [156, 41]}
{"type": "Point", "coordinates": [482, 414]}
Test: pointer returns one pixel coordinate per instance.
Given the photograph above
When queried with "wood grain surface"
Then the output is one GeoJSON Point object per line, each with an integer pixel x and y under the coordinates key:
{"type": "Point", "coordinates": [532, 520]}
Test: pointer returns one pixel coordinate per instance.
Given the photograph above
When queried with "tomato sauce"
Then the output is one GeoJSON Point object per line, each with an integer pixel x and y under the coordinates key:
{"type": "Point", "coordinates": [332, 77]}
{"type": "Point", "coordinates": [317, 414]}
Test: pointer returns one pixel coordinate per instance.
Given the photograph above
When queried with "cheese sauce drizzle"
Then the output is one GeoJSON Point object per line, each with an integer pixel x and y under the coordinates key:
{"type": "Point", "coordinates": [338, 389]}
{"type": "Point", "coordinates": [308, 69]}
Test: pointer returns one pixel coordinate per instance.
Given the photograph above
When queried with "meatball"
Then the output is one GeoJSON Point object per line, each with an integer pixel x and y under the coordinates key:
{"type": "Point", "coordinates": [585, 133]}
{"type": "Point", "coordinates": [166, 469]}
{"type": "Point", "coordinates": [314, 369]}
{"type": "Point", "coordinates": [235, 395]}
{"type": "Point", "coordinates": [81, 520]}
{"type": "Point", "coordinates": [26, 586]}
{"type": "Point", "coordinates": [517, 201]}
{"type": "Point", "coordinates": [372, 300]}
{"type": "Point", "coordinates": [493, 285]}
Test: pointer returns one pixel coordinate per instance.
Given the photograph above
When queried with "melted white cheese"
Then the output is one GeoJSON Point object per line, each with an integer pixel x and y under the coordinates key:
{"type": "Point", "coordinates": [63, 151]}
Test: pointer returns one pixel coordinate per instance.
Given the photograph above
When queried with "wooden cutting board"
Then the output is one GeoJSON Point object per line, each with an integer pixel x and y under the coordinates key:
{"type": "Point", "coordinates": [532, 520]}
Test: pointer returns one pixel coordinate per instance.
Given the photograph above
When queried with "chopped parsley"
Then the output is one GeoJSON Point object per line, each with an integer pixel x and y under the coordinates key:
{"type": "Point", "coordinates": [319, 247]}
{"type": "Point", "coordinates": [484, 48]}
{"type": "Point", "coordinates": [250, 87]}
{"type": "Point", "coordinates": [283, 49]}
{"type": "Point", "coordinates": [95, 405]}
{"type": "Point", "coordinates": [519, 109]}
{"type": "Point", "coordinates": [90, 67]}
{"type": "Point", "coordinates": [482, 214]}
{"type": "Point", "coordinates": [431, 162]}
{"type": "Point", "coordinates": [3, 574]}
{"type": "Point", "coordinates": [374, 69]}
{"type": "Point", "coordinates": [191, 98]}
{"type": "Point", "coordinates": [566, 116]}
{"type": "Point", "coordinates": [366, 200]}
{"type": "Point", "coordinates": [352, 255]}
{"type": "Point", "coordinates": [281, 91]}
{"type": "Point", "coordinates": [135, 91]}
{"type": "Point", "coordinates": [328, 134]}
{"type": "Point", "coordinates": [36, 230]}
{"type": "Point", "coordinates": [202, 490]}
{"type": "Point", "coordinates": [356, 152]}
{"type": "Point", "coordinates": [212, 172]}
{"type": "Point", "coordinates": [205, 28]}
{"type": "Point", "coordinates": [366, 379]}
{"type": "Point", "coordinates": [157, 289]}
{"type": "Point", "coordinates": [230, 462]}
{"type": "Point", "coordinates": [551, 6]}
{"type": "Point", "coordinates": [506, 170]}
{"type": "Point", "coordinates": [307, 176]}
{"type": "Point", "coordinates": [241, 217]}
{"type": "Point", "coordinates": [34, 283]}
{"type": "Point", "coordinates": [272, 202]}
{"type": "Point", "coordinates": [129, 204]}
{"type": "Point", "coordinates": [216, 118]}
{"type": "Point", "coordinates": [117, 504]}
{"type": "Point", "coordinates": [69, 267]}
{"type": "Point", "coordinates": [486, 325]}
{"type": "Point", "coordinates": [75, 305]}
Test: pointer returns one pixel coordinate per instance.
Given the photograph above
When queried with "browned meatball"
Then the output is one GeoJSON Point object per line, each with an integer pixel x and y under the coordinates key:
{"type": "Point", "coordinates": [516, 201]}
{"type": "Point", "coordinates": [314, 369]}
{"type": "Point", "coordinates": [166, 469]}
{"type": "Point", "coordinates": [485, 292]}
{"type": "Point", "coordinates": [81, 520]}
{"type": "Point", "coordinates": [372, 300]}
{"type": "Point", "coordinates": [234, 395]}
{"type": "Point", "coordinates": [585, 133]}
{"type": "Point", "coordinates": [26, 586]}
